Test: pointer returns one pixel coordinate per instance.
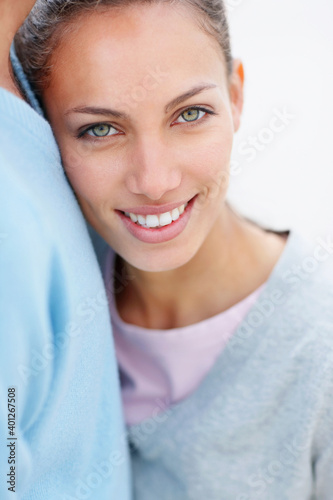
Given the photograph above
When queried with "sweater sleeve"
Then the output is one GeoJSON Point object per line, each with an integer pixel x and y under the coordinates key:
{"type": "Point", "coordinates": [26, 328]}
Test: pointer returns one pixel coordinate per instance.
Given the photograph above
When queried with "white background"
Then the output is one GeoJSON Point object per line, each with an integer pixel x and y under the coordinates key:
{"type": "Point", "coordinates": [287, 50]}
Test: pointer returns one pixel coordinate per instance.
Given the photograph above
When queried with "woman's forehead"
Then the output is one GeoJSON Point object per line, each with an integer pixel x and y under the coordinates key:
{"type": "Point", "coordinates": [106, 50]}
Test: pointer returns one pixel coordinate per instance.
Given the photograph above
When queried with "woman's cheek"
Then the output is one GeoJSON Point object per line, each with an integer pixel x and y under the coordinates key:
{"type": "Point", "coordinates": [213, 161]}
{"type": "Point", "coordinates": [211, 171]}
{"type": "Point", "coordinates": [78, 172]}
{"type": "Point", "coordinates": [89, 174]}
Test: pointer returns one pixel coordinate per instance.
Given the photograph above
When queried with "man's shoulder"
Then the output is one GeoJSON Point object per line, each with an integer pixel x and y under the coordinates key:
{"type": "Point", "coordinates": [21, 207]}
{"type": "Point", "coordinates": [24, 132]}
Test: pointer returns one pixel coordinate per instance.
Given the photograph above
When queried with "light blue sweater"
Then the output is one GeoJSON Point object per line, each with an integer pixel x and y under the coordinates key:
{"type": "Point", "coordinates": [260, 425]}
{"type": "Point", "coordinates": [56, 347]}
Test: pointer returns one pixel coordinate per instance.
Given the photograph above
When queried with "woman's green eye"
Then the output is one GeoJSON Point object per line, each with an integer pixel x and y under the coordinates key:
{"type": "Point", "coordinates": [193, 114]}
{"type": "Point", "coordinates": [190, 114]}
{"type": "Point", "coordinates": [104, 130]}
{"type": "Point", "coordinates": [100, 130]}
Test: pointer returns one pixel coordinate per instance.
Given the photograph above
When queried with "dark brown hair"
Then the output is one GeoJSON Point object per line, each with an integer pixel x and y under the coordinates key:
{"type": "Point", "coordinates": [49, 19]}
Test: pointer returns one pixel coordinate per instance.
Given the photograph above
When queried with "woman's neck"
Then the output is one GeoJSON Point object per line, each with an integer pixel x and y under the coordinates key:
{"type": "Point", "coordinates": [236, 258]}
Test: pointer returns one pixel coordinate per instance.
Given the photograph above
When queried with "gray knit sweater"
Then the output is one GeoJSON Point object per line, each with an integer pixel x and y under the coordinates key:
{"type": "Point", "coordinates": [260, 425]}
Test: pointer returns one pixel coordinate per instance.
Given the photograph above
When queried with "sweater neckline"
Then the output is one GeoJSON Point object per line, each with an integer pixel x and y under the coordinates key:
{"type": "Point", "coordinates": [184, 330]}
{"type": "Point", "coordinates": [237, 350]}
{"type": "Point", "coordinates": [109, 264]}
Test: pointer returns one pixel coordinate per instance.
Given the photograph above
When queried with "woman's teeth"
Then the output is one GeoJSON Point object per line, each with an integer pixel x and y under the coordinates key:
{"type": "Point", "coordinates": [157, 220]}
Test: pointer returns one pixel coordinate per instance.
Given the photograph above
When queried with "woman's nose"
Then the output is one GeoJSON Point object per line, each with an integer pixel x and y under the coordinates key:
{"type": "Point", "coordinates": [153, 169]}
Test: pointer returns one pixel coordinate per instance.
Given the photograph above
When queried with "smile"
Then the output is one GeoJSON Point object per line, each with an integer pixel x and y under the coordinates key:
{"type": "Point", "coordinates": [157, 227]}
{"type": "Point", "coordinates": [155, 220]}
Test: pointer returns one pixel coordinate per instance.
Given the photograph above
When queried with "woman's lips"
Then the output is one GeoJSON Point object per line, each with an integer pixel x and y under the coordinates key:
{"type": "Point", "coordinates": [157, 234]}
{"type": "Point", "coordinates": [157, 209]}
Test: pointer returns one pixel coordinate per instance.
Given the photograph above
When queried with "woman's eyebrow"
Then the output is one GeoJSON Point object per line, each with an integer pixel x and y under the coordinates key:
{"type": "Point", "coordinates": [189, 93]}
{"type": "Point", "coordinates": [93, 110]}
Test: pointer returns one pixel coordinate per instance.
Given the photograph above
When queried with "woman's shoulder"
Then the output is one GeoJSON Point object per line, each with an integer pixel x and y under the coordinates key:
{"type": "Point", "coordinates": [305, 277]}
{"type": "Point", "coordinates": [309, 262]}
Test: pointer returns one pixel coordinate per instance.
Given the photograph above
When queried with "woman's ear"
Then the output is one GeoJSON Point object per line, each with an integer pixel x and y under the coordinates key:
{"type": "Point", "coordinates": [236, 85]}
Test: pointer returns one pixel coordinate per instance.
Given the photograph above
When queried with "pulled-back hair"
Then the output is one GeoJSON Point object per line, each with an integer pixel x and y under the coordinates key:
{"type": "Point", "coordinates": [49, 19]}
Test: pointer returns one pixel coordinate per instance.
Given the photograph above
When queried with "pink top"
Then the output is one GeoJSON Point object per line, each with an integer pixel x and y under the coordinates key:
{"type": "Point", "coordinates": [162, 367]}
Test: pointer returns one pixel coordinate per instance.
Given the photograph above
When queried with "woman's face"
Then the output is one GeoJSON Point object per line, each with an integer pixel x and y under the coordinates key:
{"type": "Point", "coordinates": [144, 116]}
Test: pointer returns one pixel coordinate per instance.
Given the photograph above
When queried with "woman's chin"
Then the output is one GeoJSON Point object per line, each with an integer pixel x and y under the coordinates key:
{"type": "Point", "coordinates": [157, 262]}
